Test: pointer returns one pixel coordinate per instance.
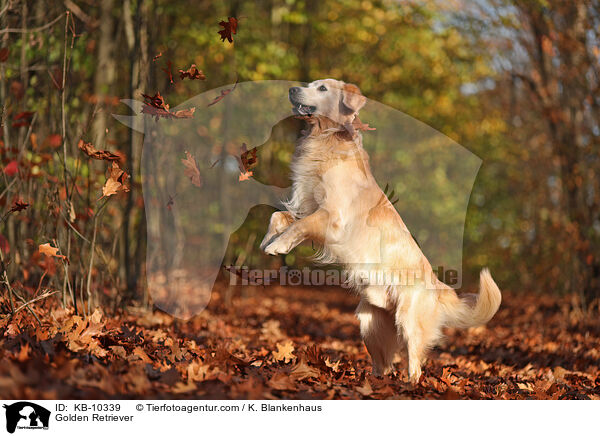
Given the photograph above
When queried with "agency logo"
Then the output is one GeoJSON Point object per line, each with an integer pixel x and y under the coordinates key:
{"type": "Point", "coordinates": [26, 415]}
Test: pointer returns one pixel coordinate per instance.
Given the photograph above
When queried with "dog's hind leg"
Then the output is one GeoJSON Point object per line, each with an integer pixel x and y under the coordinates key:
{"type": "Point", "coordinates": [279, 222]}
{"type": "Point", "coordinates": [421, 328]}
{"type": "Point", "coordinates": [378, 330]}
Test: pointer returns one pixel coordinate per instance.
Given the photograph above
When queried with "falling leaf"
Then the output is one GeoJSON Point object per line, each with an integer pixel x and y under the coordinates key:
{"type": "Point", "coordinates": [246, 160]}
{"type": "Point", "coordinates": [224, 93]}
{"type": "Point", "coordinates": [229, 29]}
{"type": "Point", "coordinates": [92, 152]}
{"type": "Point", "coordinates": [191, 169]}
{"type": "Point", "coordinates": [19, 206]}
{"type": "Point", "coordinates": [248, 157]}
{"type": "Point", "coordinates": [115, 182]}
{"type": "Point", "coordinates": [111, 187]}
{"type": "Point", "coordinates": [51, 251]}
{"type": "Point", "coordinates": [284, 352]}
{"type": "Point", "coordinates": [156, 106]}
{"type": "Point", "coordinates": [245, 176]}
{"type": "Point", "coordinates": [193, 73]}
{"type": "Point", "coordinates": [184, 113]}
{"type": "Point", "coordinates": [156, 101]}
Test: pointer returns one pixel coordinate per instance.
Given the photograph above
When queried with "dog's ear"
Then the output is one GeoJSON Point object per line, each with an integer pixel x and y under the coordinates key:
{"type": "Point", "coordinates": [352, 99]}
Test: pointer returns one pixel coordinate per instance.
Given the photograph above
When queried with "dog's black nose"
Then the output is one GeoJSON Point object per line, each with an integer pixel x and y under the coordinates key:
{"type": "Point", "coordinates": [294, 90]}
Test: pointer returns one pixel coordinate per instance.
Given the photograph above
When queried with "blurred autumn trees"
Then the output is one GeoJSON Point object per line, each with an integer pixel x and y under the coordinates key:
{"type": "Point", "coordinates": [515, 82]}
{"type": "Point", "coordinates": [547, 55]}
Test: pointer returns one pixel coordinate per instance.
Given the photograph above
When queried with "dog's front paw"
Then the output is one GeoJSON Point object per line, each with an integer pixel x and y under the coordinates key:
{"type": "Point", "coordinates": [279, 246]}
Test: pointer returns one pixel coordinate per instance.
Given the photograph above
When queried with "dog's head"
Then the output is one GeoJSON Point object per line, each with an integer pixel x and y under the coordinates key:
{"type": "Point", "coordinates": [333, 99]}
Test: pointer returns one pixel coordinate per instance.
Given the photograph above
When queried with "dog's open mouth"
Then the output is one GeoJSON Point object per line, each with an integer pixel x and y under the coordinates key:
{"type": "Point", "coordinates": [303, 109]}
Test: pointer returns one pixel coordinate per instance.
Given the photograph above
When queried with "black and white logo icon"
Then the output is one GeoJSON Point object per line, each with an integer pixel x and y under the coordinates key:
{"type": "Point", "coordinates": [26, 415]}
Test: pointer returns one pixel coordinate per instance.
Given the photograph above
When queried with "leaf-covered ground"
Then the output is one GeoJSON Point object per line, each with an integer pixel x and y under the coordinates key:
{"type": "Point", "coordinates": [298, 343]}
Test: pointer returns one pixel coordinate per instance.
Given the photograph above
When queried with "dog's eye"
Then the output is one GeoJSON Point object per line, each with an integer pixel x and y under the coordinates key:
{"type": "Point", "coordinates": [322, 88]}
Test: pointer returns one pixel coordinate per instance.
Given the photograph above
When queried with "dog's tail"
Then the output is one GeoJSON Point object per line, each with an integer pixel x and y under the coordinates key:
{"type": "Point", "coordinates": [472, 310]}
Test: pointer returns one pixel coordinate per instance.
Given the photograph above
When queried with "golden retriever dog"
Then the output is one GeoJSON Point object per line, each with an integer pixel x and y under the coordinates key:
{"type": "Point", "coordinates": [337, 203]}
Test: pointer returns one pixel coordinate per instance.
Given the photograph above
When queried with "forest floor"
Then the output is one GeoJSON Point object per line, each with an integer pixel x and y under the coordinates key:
{"type": "Point", "coordinates": [291, 343]}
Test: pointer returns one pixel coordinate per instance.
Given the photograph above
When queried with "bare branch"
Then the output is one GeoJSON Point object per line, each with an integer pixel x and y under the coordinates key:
{"type": "Point", "coordinates": [78, 12]}
{"type": "Point", "coordinates": [35, 29]}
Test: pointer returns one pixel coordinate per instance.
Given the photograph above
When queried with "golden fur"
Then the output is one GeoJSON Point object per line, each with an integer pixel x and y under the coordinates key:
{"type": "Point", "coordinates": [337, 203]}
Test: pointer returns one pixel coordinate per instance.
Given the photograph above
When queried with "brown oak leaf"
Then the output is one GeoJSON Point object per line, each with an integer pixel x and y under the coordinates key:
{"type": "Point", "coordinates": [302, 371]}
{"type": "Point", "coordinates": [192, 73]}
{"type": "Point", "coordinates": [284, 352]}
{"type": "Point", "coordinates": [94, 153]}
{"type": "Point", "coordinates": [115, 181]}
{"type": "Point", "coordinates": [229, 29]}
{"type": "Point", "coordinates": [19, 206]}
{"type": "Point", "coordinates": [191, 169]}
{"type": "Point", "coordinates": [248, 157]}
{"type": "Point", "coordinates": [155, 105]}
{"type": "Point", "coordinates": [245, 175]}
{"type": "Point", "coordinates": [51, 251]}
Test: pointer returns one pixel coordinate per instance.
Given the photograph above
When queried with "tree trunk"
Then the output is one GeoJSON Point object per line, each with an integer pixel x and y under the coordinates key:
{"type": "Point", "coordinates": [136, 29]}
{"type": "Point", "coordinates": [105, 69]}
